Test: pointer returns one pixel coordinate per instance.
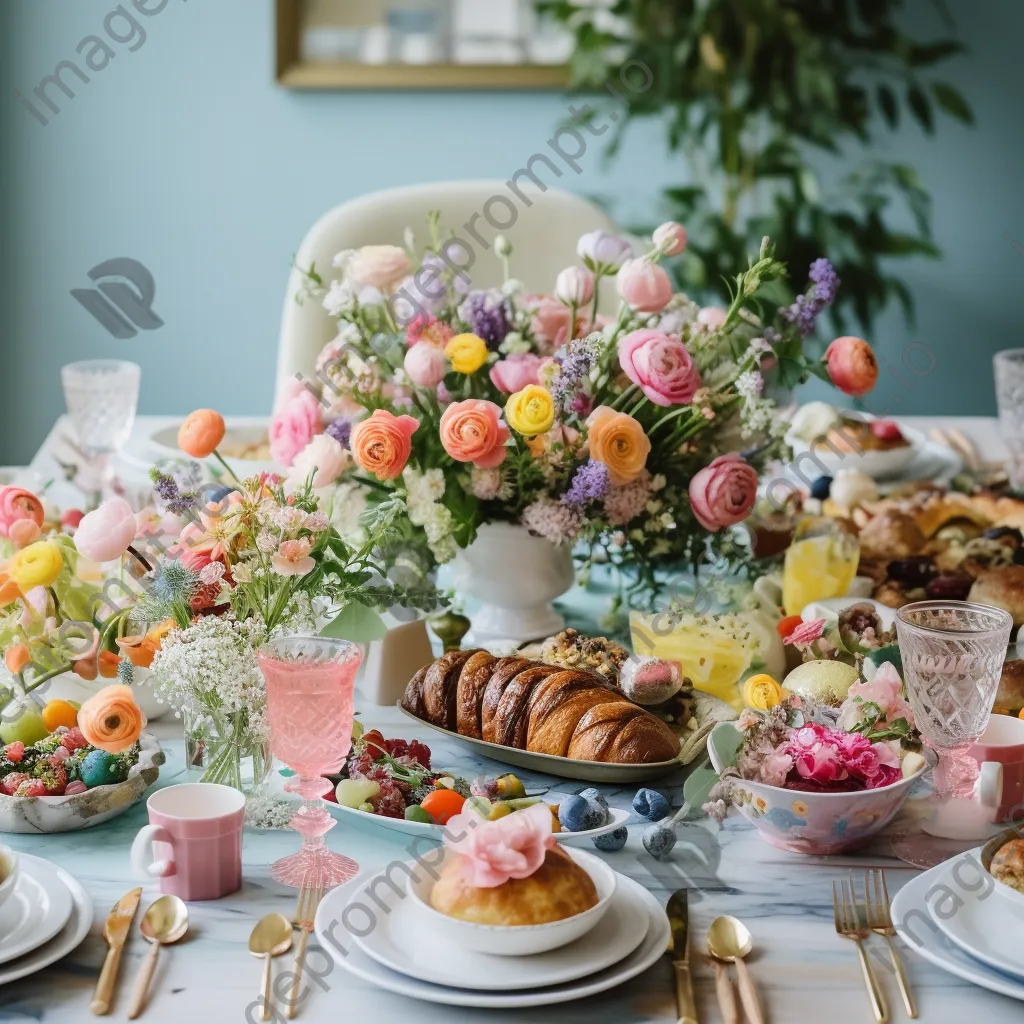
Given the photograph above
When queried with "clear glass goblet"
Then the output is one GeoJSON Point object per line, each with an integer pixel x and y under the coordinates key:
{"type": "Point", "coordinates": [102, 396]}
{"type": "Point", "coordinates": [310, 705]}
{"type": "Point", "coordinates": [952, 653]}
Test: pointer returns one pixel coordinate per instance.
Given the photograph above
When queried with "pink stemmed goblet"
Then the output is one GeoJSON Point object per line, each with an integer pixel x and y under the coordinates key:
{"type": "Point", "coordinates": [952, 654]}
{"type": "Point", "coordinates": [310, 703]}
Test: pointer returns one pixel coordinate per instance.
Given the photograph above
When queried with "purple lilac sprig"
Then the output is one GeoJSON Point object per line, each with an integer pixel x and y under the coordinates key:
{"type": "Point", "coordinates": [805, 310]}
{"type": "Point", "coordinates": [589, 483]}
{"type": "Point", "coordinates": [171, 498]}
{"type": "Point", "coordinates": [575, 361]}
{"type": "Point", "coordinates": [341, 430]}
{"type": "Point", "coordinates": [488, 314]}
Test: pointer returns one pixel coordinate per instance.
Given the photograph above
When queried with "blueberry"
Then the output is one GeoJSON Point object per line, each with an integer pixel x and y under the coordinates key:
{"type": "Point", "coordinates": [613, 840]}
{"type": "Point", "coordinates": [659, 840]}
{"type": "Point", "coordinates": [594, 794]}
{"type": "Point", "coordinates": [578, 814]}
{"type": "Point", "coordinates": [649, 803]}
{"type": "Point", "coordinates": [218, 493]}
{"type": "Point", "coordinates": [821, 487]}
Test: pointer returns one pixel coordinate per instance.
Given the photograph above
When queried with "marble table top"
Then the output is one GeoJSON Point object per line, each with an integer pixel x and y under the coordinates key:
{"type": "Point", "coordinates": [805, 971]}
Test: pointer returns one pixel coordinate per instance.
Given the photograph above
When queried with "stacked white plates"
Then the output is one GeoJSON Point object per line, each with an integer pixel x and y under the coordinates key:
{"type": "Point", "coordinates": [373, 928]}
{"type": "Point", "coordinates": [44, 919]}
{"type": "Point", "coordinates": [955, 917]}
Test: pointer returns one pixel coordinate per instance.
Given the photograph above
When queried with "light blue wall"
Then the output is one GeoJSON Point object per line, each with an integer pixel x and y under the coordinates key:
{"type": "Point", "coordinates": [187, 156]}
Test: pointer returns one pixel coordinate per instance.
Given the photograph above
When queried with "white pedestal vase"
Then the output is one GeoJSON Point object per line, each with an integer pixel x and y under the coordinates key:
{"type": "Point", "coordinates": [514, 576]}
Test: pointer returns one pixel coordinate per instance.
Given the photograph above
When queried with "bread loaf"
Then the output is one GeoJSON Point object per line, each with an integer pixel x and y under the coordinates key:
{"type": "Point", "coordinates": [530, 705]}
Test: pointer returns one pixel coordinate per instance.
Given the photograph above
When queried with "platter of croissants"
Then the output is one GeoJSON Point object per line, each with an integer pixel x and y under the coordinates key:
{"type": "Point", "coordinates": [575, 722]}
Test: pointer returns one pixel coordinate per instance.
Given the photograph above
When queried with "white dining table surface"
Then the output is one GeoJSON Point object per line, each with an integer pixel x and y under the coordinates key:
{"type": "Point", "coordinates": [805, 972]}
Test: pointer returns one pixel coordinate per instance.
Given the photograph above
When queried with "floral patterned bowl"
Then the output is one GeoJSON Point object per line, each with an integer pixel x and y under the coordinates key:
{"type": "Point", "coordinates": [35, 814]}
{"type": "Point", "coordinates": [814, 823]}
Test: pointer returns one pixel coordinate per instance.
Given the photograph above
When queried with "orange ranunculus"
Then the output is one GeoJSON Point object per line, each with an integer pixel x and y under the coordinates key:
{"type": "Point", "coordinates": [111, 720]}
{"type": "Point", "coordinates": [9, 590]}
{"type": "Point", "coordinates": [852, 365]}
{"type": "Point", "coordinates": [17, 657]}
{"type": "Point", "coordinates": [201, 432]}
{"type": "Point", "coordinates": [472, 431]}
{"type": "Point", "coordinates": [382, 443]}
{"type": "Point", "coordinates": [618, 441]}
{"type": "Point", "coordinates": [108, 664]}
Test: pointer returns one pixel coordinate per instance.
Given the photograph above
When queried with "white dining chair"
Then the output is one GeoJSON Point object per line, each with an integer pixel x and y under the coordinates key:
{"type": "Point", "coordinates": [543, 227]}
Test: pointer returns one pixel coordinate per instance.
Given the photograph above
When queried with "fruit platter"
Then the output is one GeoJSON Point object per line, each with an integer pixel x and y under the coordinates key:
{"type": "Point", "coordinates": [392, 783]}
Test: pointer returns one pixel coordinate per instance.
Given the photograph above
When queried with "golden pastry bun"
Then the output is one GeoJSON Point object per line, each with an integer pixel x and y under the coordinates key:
{"type": "Point", "coordinates": [558, 889]}
{"type": "Point", "coordinates": [1008, 864]}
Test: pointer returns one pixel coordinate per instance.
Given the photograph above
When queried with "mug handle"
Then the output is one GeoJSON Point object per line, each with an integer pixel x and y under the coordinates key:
{"type": "Point", "coordinates": [142, 852]}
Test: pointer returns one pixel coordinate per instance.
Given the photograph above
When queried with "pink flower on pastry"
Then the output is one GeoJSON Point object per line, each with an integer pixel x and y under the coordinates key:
{"type": "Point", "coordinates": [660, 366]}
{"type": "Point", "coordinates": [492, 852]}
{"type": "Point", "coordinates": [806, 633]}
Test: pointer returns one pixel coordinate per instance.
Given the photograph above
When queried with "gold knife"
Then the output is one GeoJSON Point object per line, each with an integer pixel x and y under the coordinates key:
{"type": "Point", "coordinates": [679, 921]}
{"type": "Point", "coordinates": [115, 931]}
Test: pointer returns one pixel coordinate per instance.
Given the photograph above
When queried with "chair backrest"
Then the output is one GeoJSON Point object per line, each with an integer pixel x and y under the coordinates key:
{"type": "Point", "coordinates": [543, 227]}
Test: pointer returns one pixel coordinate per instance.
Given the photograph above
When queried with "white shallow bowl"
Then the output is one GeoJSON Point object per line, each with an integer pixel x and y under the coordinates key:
{"type": "Point", "coordinates": [879, 465]}
{"type": "Point", "coordinates": [831, 607]}
{"type": "Point", "coordinates": [8, 873]}
{"type": "Point", "coordinates": [164, 442]}
{"type": "Point", "coordinates": [36, 814]}
{"type": "Point", "coordinates": [619, 817]}
{"type": "Point", "coordinates": [519, 940]}
{"type": "Point", "coordinates": [73, 687]}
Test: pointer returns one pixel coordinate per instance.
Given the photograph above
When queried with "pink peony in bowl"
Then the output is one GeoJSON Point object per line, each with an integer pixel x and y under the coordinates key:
{"type": "Point", "coordinates": [802, 822]}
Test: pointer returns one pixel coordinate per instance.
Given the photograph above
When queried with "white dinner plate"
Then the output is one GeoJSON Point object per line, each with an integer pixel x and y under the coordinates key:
{"type": "Point", "coordinates": [336, 926]}
{"type": "Point", "coordinates": [405, 943]}
{"type": "Point", "coordinates": [566, 767]}
{"type": "Point", "coordinates": [37, 909]}
{"type": "Point", "coordinates": [422, 828]}
{"type": "Point", "coordinates": [917, 927]}
{"type": "Point", "coordinates": [985, 925]}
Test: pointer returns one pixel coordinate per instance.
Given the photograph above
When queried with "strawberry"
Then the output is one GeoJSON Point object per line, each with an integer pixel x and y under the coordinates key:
{"type": "Point", "coordinates": [10, 783]}
{"type": "Point", "coordinates": [14, 752]}
{"type": "Point", "coordinates": [31, 787]}
{"type": "Point", "coordinates": [886, 430]}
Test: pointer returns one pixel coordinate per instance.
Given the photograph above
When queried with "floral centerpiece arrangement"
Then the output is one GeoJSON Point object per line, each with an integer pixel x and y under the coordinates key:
{"type": "Point", "coordinates": [187, 590]}
{"type": "Point", "coordinates": [636, 438]}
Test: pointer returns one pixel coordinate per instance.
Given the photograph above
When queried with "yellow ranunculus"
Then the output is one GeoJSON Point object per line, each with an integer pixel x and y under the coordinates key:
{"type": "Point", "coordinates": [467, 353]}
{"type": "Point", "coordinates": [530, 411]}
{"type": "Point", "coordinates": [761, 692]}
{"type": "Point", "coordinates": [38, 565]}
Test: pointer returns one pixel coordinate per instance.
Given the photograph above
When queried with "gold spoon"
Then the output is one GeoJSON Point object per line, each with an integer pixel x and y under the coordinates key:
{"type": "Point", "coordinates": [729, 941]}
{"type": "Point", "coordinates": [165, 921]}
{"type": "Point", "coordinates": [271, 937]}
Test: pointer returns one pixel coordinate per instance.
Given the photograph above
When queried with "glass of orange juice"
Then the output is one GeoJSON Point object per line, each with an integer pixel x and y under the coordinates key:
{"type": "Point", "coordinates": [821, 562]}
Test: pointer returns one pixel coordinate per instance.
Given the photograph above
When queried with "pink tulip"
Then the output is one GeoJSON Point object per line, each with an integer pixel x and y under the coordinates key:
{"type": "Point", "coordinates": [324, 457]}
{"type": "Point", "coordinates": [515, 372]}
{"type": "Point", "coordinates": [574, 286]}
{"type": "Point", "coordinates": [425, 365]}
{"type": "Point", "coordinates": [670, 238]}
{"type": "Point", "coordinates": [106, 533]}
{"type": "Point", "coordinates": [379, 266]}
{"type": "Point", "coordinates": [711, 317]}
{"type": "Point", "coordinates": [644, 286]}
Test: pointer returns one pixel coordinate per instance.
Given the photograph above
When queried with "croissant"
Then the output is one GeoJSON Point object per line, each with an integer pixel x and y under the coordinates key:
{"type": "Point", "coordinates": [530, 705]}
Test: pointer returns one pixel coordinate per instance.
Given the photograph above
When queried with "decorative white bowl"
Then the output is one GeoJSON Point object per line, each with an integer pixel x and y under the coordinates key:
{"type": "Point", "coordinates": [814, 823]}
{"type": "Point", "coordinates": [35, 814]}
{"type": "Point", "coordinates": [518, 940]}
{"type": "Point", "coordinates": [73, 687]}
{"type": "Point", "coordinates": [8, 873]}
{"type": "Point", "coordinates": [879, 465]}
{"type": "Point", "coordinates": [988, 851]}
{"type": "Point", "coordinates": [164, 443]}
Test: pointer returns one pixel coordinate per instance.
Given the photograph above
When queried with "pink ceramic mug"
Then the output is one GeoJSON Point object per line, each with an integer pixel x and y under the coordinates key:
{"type": "Point", "coordinates": [198, 829]}
{"type": "Point", "coordinates": [1003, 741]}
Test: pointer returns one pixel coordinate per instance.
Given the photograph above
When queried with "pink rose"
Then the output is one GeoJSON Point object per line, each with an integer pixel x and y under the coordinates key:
{"type": "Point", "coordinates": [574, 286]}
{"type": "Point", "coordinates": [515, 372]}
{"type": "Point", "coordinates": [711, 317]}
{"type": "Point", "coordinates": [806, 633]}
{"type": "Point", "coordinates": [379, 266]}
{"type": "Point", "coordinates": [815, 754]}
{"type": "Point", "coordinates": [425, 365]}
{"type": "Point", "coordinates": [106, 533]}
{"type": "Point", "coordinates": [550, 321]}
{"type": "Point", "coordinates": [670, 238]}
{"type": "Point", "coordinates": [723, 493]}
{"type": "Point", "coordinates": [644, 286]}
{"type": "Point", "coordinates": [660, 366]}
{"type": "Point", "coordinates": [424, 327]}
{"type": "Point", "coordinates": [294, 426]}
{"type": "Point", "coordinates": [324, 457]}
{"type": "Point", "coordinates": [492, 852]}
{"type": "Point", "coordinates": [885, 691]}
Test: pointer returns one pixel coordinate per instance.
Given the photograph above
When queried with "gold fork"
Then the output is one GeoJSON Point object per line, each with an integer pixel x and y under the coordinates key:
{"type": "Point", "coordinates": [847, 919]}
{"type": "Point", "coordinates": [310, 896]}
{"type": "Point", "coordinates": [880, 921]}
